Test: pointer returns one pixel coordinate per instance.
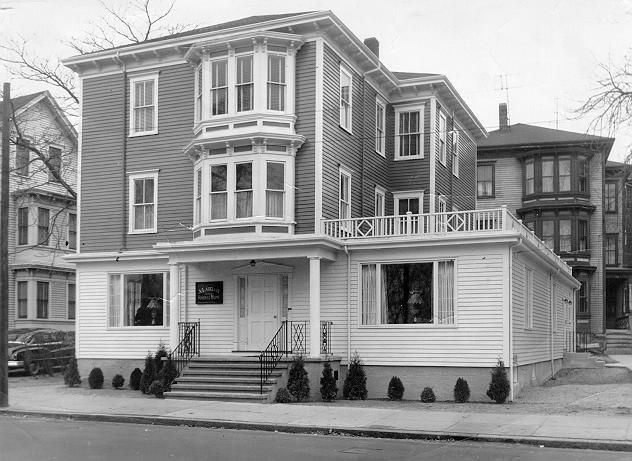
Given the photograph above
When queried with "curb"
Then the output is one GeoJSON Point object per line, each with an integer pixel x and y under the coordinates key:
{"type": "Point", "coordinates": [584, 444]}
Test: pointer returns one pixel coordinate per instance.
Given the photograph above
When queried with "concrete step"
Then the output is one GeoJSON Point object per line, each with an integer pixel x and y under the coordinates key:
{"type": "Point", "coordinates": [223, 379]}
{"type": "Point", "coordinates": [619, 350]}
{"type": "Point", "coordinates": [239, 396]}
{"type": "Point", "coordinates": [222, 372]}
{"type": "Point", "coordinates": [219, 387]}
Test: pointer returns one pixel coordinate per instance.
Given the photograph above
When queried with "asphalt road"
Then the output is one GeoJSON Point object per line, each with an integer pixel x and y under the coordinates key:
{"type": "Point", "coordinates": [24, 439]}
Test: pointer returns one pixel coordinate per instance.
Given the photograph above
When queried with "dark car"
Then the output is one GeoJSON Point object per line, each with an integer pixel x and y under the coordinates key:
{"type": "Point", "coordinates": [32, 350]}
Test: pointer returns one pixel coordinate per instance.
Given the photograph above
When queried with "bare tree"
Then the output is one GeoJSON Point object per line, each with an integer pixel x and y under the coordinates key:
{"type": "Point", "coordinates": [137, 21]}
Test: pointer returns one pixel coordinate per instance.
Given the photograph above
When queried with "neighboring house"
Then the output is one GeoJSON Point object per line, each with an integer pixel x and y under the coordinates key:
{"type": "Point", "coordinates": [42, 215]}
{"type": "Point", "coordinates": [617, 205]}
{"type": "Point", "coordinates": [270, 176]}
{"type": "Point", "coordinates": [554, 181]}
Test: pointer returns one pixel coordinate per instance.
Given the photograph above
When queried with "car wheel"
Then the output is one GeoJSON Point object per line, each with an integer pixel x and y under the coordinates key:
{"type": "Point", "coordinates": [33, 368]}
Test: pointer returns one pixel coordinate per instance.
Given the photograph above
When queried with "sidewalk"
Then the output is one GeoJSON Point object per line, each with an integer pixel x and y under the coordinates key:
{"type": "Point", "coordinates": [386, 419]}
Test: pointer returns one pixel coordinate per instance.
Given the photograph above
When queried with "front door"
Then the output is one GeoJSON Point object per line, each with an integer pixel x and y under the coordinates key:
{"type": "Point", "coordinates": [263, 310]}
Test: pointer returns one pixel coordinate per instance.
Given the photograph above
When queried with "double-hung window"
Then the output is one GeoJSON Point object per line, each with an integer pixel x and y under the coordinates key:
{"type": "Point", "coordinates": [344, 207]}
{"type": "Point", "coordinates": [71, 301]}
{"type": "Point", "coordinates": [199, 80]}
{"type": "Point", "coordinates": [380, 126]}
{"type": "Point", "coordinates": [380, 198]}
{"type": "Point", "coordinates": [42, 300]}
{"type": "Point", "coordinates": [564, 175]}
{"type": "Point", "coordinates": [409, 134]}
{"type": "Point", "coordinates": [22, 157]}
{"type": "Point", "coordinates": [442, 138]}
{"type": "Point", "coordinates": [455, 151]}
{"type": "Point", "coordinates": [548, 233]}
{"type": "Point", "coordinates": [144, 105]}
{"type": "Point", "coordinates": [23, 298]}
{"type": "Point", "coordinates": [276, 82]}
{"type": "Point", "coordinates": [219, 87]}
{"type": "Point", "coordinates": [529, 177]}
{"type": "Point", "coordinates": [138, 299]}
{"type": "Point", "coordinates": [548, 175]}
{"type": "Point", "coordinates": [23, 226]}
{"type": "Point", "coordinates": [610, 202]}
{"type": "Point", "coordinates": [582, 174]}
{"type": "Point", "coordinates": [345, 98]}
{"type": "Point", "coordinates": [612, 247]}
{"type": "Point", "coordinates": [485, 180]}
{"type": "Point", "coordinates": [143, 198]}
{"type": "Point", "coordinates": [197, 218]}
{"type": "Point", "coordinates": [566, 235]}
{"type": "Point", "coordinates": [275, 189]}
{"type": "Point", "coordinates": [408, 293]}
{"type": "Point", "coordinates": [219, 192]}
{"type": "Point", "coordinates": [43, 226]}
{"type": "Point", "coordinates": [54, 160]}
{"type": "Point", "coordinates": [72, 231]}
{"type": "Point", "coordinates": [582, 235]}
{"type": "Point", "coordinates": [243, 190]}
{"type": "Point", "coordinates": [244, 83]}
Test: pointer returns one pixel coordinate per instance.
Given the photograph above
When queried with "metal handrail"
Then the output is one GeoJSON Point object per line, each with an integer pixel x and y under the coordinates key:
{"type": "Point", "coordinates": [289, 339]}
{"type": "Point", "coordinates": [188, 346]}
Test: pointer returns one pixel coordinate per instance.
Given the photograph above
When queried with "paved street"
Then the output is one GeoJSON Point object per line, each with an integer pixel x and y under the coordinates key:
{"type": "Point", "coordinates": [27, 439]}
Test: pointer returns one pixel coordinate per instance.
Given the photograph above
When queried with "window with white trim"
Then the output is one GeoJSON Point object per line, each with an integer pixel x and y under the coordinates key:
{"type": "Point", "coordinates": [22, 157]}
{"type": "Point", "coordinates": [144, 105]}
{"type": "Point", "coordinates": [23, 299]}
{"type": "Point", "coordinates": [408, 201]}
{"type": "Point", "coordinates": [455, 151]}
{"type": "Point", "coordinates": [380, 199]}
{"type": "Point", "coordinates": [276, 82]}
{"type": "Point", "coordinates": [244, 85]}
{"type": "Point", "coordinates": [528, 299]}
{"type": "Point", "coordinates": [409, 133]}
{"type": "Point", "coordinates": [71, 301]}
{"type": "Point", "coordinates": [43, 226]}
{"type": "Point", "coordinates": [344, 206]}
{"type": "Point", "coordinates": [42, 300]}
{"type": "Point", "coordinates": [143, 202]}
{"type": "Point", "coordinates": [54, 160]}
{"type": "Point", "coordinates": [219, 87]}
{"type": "Point", "coordinates": [23, 226]}
{"type": "Point", "coordinates": [199, 81]}
{"type": "Point", "coordinates": [442, 138]}
{"type": "Point", "coordinates": [275, 189]}
{"type": "Point", "coordinates": [243, 190]}
{"type": "Point", "coordinates": [198, 197]}
{"type": "Point", "coordinates": [346, 100]}
{"type": "Point", "coordinates": [380, 126]}
{"type": "Point", "coordinates": [138, 299]}
{"type": "Point", "coordinates": [408, 293]}
{"type": "Point", "coordinates": [219, 192]}
{"type": "Point", "coordinates": [72, 231]}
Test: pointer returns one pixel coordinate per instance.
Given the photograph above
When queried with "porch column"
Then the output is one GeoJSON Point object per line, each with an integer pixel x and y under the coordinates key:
{"type": "Point", "coordinates": [174, 304]}
{"type": "Point", "coordinates": [314, 307]}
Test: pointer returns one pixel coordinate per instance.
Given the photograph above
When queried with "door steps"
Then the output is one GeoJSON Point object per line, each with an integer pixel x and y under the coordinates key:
{"type": "Point", "coordinates": [618, 342]}
{"type": "Point", "coordinates": [235, 378]}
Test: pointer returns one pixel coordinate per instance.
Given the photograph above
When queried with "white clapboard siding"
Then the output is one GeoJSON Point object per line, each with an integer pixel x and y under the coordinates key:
{"type": "Point", "coordinates": [95, 339]}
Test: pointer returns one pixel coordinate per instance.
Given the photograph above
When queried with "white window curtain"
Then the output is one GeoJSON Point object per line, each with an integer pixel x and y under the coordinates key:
{"type": "Point", "coordinates": [369, 298]}
{"type": "Point", "coordinates": [114, 301]}
{"type": "Point", "coordinates": [445, 276]}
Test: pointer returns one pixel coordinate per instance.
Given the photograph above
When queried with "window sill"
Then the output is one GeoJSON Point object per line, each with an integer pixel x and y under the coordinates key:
{"type": "Point", "coordinates": [139, 327]}
{"type": "Point", "coordinates": [142, 133]}
{"type": "Point", "coordinates": [348, 130]}
{"type": "Point", "coordinates": [456, 175]}
{"type": "Point", "coordinates": [414, 326]}
{"type": "Point", "coordinates": [410, 157]}
{"type": "Point", "coordinates": [141, 232]}
{"type": "Point", "coordinates": [381, 154]}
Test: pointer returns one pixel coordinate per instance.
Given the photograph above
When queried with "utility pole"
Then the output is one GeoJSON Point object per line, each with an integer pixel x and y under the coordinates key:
{"type": "Point", "coordinates": [4, 248]}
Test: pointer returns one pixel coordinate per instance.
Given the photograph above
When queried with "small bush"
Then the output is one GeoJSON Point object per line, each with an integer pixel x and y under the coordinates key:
{"type": "Point", "coordinates": [395, 389]}
{"type": "Point", "coordinates": [134, 379]}
{"type": "Point", "coordinates": [149, 374]}
{"type": "Point", "coordinates": [427, 395]}
{"type": "Point", "coordinates": [160, 353]}
{"type": "Point", "coordinates": [499, 386]}
{"type": "Point", "coordinates": [461, 391]}
{"type": "Point", "coordinates": [354, 387]}
{"type": "Point", "coordinates": [283, 396]}
{"type": "Point", "coordinates": [71, 373]}
{"type": "Point", "coordinates": [168, 374]}
{"type": "Point", "coordinates": [297, 381]}
{"type": "Point", "coordinates": [328, 389]}
{"type": "Point", "coordinates": [95, 379]}
{"type": "Point", "coordinates": [155, 388]}
{"type": "Point", "coordinates": [118, 381]}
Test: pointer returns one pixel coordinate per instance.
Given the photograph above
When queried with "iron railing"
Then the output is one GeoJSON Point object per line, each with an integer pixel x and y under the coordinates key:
{"type": "Point", "coordinates": [325, 337]}
{"type": "Point", "coordinates": [623, 322]}
{"type": "Point", "coordinates": [290, 338]}
{"type": "Point", "coordinates": [582, 341]}
{"type": "Point", "coordinates": [188, 346]}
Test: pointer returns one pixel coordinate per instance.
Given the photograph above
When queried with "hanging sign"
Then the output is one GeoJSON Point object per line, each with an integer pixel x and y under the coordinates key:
{"type": "Point", "coordinates": [209, 292]}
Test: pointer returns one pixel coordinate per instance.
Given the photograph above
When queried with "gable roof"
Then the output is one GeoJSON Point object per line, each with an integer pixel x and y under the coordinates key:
{"type": "Point", "coordinates": [525, 135]}
{"type": "Point", "coordinates": [21, 101]}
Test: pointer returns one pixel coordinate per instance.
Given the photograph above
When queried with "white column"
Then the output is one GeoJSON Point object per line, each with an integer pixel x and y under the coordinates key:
{"type": "Point", "coordinates": [174, 304]}
{"type": "Point", "coordinates": [314, 307]}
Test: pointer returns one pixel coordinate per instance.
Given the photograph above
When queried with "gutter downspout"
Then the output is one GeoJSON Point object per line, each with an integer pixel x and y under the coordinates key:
{"type": "Point", "coordinates": [552, 310]}
{"type": "Point", "coordinates": [511, 359]}
{"type": "Point", "coordinates": [348, 305]}
{"type": "Point", "coordinates": [125, 187]}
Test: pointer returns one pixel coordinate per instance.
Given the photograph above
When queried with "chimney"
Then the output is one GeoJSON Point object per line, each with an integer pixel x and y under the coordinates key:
{"type": "Point", "coordinates": [503, 120]}
{"type": "Point", "coordinates": [373, 45]}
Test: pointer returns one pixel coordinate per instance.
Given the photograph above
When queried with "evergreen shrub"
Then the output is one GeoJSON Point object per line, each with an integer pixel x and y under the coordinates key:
{"type": "Point", "coordinates": [499, 386]}
{"type": "Point", "coordinates": [283, 396]}
{"type": "Point", "coordinates": [297, 381]}
{"type": "Point", "coordinates": [118, 381]}
{"type": "Point", "coordinates": [155, 388]}
{"type": "Point", "coordinates": [149, 374]}
{"type": "Point", "coordinates": [95, 379]}
{"type": "Point", "coordinates": [427, 395]}
{"type": "Point", "coordinates": [354, 387]}
{"type": "Point", "coordinates": [168, 374]}
{"type": "Point", "coordinates": [461, 391]}
{"type": "Point", "coordinates": [134, 379]}
{"type": "Point", "coordinates": [160, 353]}
{"type": "Point", "coordinates": [71, 373]}
{"type": "Point", "coordinates": [395, 389]}
{"type": "Point", "coordinates": [328, 389]}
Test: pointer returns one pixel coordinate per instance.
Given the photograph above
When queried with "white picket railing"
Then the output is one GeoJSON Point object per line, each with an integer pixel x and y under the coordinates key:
{"type": "Point", "coordinates": [433, 224]}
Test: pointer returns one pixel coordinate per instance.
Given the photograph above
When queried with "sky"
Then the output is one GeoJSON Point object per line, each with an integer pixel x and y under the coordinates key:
{"type": "Point", "coordinates": [540, 56]}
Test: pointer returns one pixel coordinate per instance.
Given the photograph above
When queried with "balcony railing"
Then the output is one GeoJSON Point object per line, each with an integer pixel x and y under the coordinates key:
{"type": "Point", "coordinates": [433, 225]}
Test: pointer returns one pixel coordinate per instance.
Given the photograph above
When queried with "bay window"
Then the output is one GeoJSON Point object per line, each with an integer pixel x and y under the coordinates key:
{"type": "Point", "coordinates": [219, 192]}
{"type": "Point", "coordinates": [219, 87]}
{"type": "Point", "coordinates": [276, 82]}
{"type": "Point", "coordinates": [563, 231]}
{"type": "Point", "coordinates": [199, 79]}
{"type": "Point", "coordinates": [530, 177]}
{"type": "Point", "coordinates": [198, 196]}
{"type": "Point", "coordinates": [408, 293]}
{"type": "Point", "coordinates": [564, 165]}
{"type": "Point", "coordinates": [138, 299]}
{"type": "Point", "coordinates": [275, 189]}
{"type": "Point", "coordinates": [243, 190]}
{"type": "Point", "coordinates": [555, 174]}
{"type": "Point", "coordinates": [565, 243]}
